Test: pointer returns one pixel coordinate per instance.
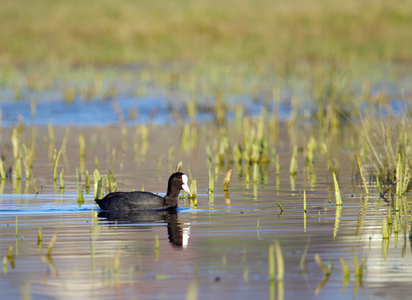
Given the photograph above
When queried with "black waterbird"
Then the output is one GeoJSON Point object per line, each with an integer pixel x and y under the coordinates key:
{"type": "Point", "coordinates": [138, 201]}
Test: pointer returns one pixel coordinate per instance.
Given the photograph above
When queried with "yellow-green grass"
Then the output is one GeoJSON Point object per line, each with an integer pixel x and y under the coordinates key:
{"type": "Point", "coordinates": [233, 31]}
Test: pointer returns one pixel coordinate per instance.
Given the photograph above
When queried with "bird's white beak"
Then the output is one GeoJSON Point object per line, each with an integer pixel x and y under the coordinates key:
{"type": "Point", "coordinates": [185, 186]}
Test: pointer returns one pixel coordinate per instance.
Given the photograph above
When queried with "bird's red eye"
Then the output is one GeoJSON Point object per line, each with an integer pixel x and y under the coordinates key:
{"type": "Point", "coordinates": [180, 179]}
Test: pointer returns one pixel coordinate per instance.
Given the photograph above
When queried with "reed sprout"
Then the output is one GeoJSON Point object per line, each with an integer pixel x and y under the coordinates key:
{"type": "Point", "coordinates": [304, 201]}
{"type": "Point", "coordinates": [17, 153]}
{"type": "Point", "coordinates": [193, 189]}
{"type": "Point", "coordinates": [326, 269]}
{"type": "Point", "coordinates": [35, 186]}
{"type": "Point", "coordinates": [98, 192]}
{"type": "Point", "coordinates": [56, 158]}
{"type": "Point", "coordinates": [293, 168]}
{"type": "Point", "coordinates": [80, 198]}
{"type": "Point", "coordinates": [39, 235]}
{"type": "Point", "coordinates": [385, 229]}
{"type": "Point", "coordinates": [338, 197]}
{"type": "Point", "coordinates": [111, 184]}
{"type": "Point", "coordinates": [87, 181]}
{"type": "Point", "coordinates": [51, 244]}
{"type": "Point", "coordinates": [211, 179]}
{"type": "Point", "coordinates": [2, 172]}
{"type": "Point", "coordinates": [227, 180]}
{"type": "Point", "coordinates": [61, 182]}
{"type": "Point", "coordinates": [362, 173]}
{"type": "Point", "coordinates": [280, 206]}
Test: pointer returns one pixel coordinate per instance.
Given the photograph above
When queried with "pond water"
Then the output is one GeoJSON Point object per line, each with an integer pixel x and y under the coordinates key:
{"type": "Point", "coordinates": [217, 249]}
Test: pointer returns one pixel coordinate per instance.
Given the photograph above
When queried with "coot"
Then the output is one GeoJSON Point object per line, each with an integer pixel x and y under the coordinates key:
{"type": "Point", "coordinates": [135, 201]}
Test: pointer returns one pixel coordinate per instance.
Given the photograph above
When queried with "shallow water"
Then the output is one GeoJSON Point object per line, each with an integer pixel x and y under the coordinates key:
{"type": "Point", "coordinates": [216, 250]}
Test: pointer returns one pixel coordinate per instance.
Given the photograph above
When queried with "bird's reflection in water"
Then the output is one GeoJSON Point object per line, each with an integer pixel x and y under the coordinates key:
{"type": "Point", "coordinates": [178, 235]}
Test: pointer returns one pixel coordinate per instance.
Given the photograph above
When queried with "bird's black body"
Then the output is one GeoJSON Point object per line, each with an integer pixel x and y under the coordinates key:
{"type": "Point", "coordinates": [138, 201]}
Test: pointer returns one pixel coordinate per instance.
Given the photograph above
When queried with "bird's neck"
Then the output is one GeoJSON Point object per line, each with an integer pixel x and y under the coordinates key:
{"type": "Point", "coordinates": [172, 193]}
{"type": "Point", "coordinates": [171, 202]}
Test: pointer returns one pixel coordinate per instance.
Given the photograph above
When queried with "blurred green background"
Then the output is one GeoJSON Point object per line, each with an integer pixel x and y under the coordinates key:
{"type": "Point", "coordinates": [196, 32]}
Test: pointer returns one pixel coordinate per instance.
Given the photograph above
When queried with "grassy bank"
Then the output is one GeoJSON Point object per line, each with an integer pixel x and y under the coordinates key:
{"type": "Point", "coordinates": [233, 31]}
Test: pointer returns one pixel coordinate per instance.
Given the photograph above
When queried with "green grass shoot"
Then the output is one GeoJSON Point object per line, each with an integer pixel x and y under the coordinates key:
{"type": "Point", "coordinates": [17, 153]}
{"type": "Point", "coordinates": [2, 172]}
{"type": "Point", "coordinates": [304, 201]}
{"type": "Point", "coordinates": [345, 268]}
{"type": "Point", "coordinates": [211, 180]}
{"type": "Point", "coordinates": [39, 235]}
{"type": "Point", "coordinates": [280, 206]}
{"type": "Point", "coordinates": [35, 186]}
{"type": "Point", "coordinates": [98, 185]}
{"type": "Point", "coordinates": [87, 180]}
{"type": "Point", "coordinates": [111, 184]}
{"type": "Point", "coordinates": [16, 228]}
{"type": "Point", "coordinates": [178, 167]}
{"type": "Point", "coordinates": [157, 244]}
{"type": "Point", "coordinates": [61, 182]}
{"type": "Point", "coordinates": [56, 158]}
{"type": "Point", "coordinates": [338, 197]}
{"type": "Point", "coordinates": [362, 173]}
{"type": "Point", "coordinates": [80, 198]}
{"type": "Point", "coordinates": [378, 185]}
{"type": "Point", "coordinates": [385, 229]}
{"type": "Point", "coordinates": [293, 168]}
{"type": "Point", "coordinates": [326, 270]}
{"type": "Point", "coordinates": [82, 145]}
{"type": "Point", "coordinates": [227, 180]}
{"type": "Point", "coordinates": [193, 189]}
{"type": "Point", "coordinates": [277, 165]}
{"type": "Point", "coordinates": [390, 216]}
{"type": "Point", "coordinates": [51, 244]}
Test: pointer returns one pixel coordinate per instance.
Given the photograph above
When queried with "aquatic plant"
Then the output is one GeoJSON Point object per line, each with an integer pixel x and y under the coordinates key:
{"type": "Point", "coordinates": [304, 201]}
{"type": "Point", "coordinates": [211, 179]}
{"type": "Point", "coordinates": [178, 167]}
{"type": "Point", "coordinates": [385, 229]}
{"type": "Point", "coordinates": [61, 181]}
{"type": "Point", "coordinates": [2, 172]}
{"type": "Point", "coordinates": [227, 180]}
{"type": "Point", "coordinates": [338, 197]}
{"type": "Point", "coordinates": [80, 198]}
{"type": "Point", "coordinates": [56, 158]}
{"type": "Point", "coordinates": [51, 244]}
{"type": "Point", "coordinates": [326, 270]}
{"type": "Point", "coordinates": [361, 173]}
{"type": "Point", "coordinates": [39, 236]}
{"type": "Point", "coordinates": [345, 268]}
{"type": "Point", "coordinates": [87, 184]}
{"type": "Point", "coordinates": [193, 189]}
{"type": "Point", "coordinates": [111, 184]}
{"type": "Point", "coordinates": [280, 206]}
{"type": "Point", "coordinates": [293, 168]}
{"type": "Point", "coordinates": [98, 192]}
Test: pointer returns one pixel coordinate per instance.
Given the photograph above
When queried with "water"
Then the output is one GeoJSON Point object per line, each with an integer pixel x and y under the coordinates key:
{"type": "Point", "coordinates": [216, 250]}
